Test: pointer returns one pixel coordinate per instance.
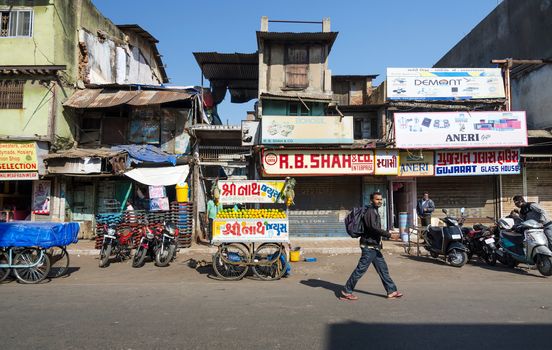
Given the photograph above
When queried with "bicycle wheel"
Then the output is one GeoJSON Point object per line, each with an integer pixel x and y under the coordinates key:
{"type": "Point", "coordinates": [4, 271]}
{"type": "Point", "coordinates": [230, 262]}
{"type": "Point", "coordinates": [35, 274]}
{"type": "Point", "coordinates": [59, 261]}
{"type": "Point", "coordinates": [268, 264]}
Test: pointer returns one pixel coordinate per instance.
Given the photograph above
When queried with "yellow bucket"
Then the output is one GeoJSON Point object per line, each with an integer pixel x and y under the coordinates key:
{"type": "Point", "coordinates": [295, 255]}
{"type": "Point", "coordinates": [182, 194]}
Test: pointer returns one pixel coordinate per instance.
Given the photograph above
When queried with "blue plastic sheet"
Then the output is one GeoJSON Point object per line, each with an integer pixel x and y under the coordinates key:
{"type": "Point", "coordinates": [38, 234]}
{"type": "Point", "coordinates": [146, 153]}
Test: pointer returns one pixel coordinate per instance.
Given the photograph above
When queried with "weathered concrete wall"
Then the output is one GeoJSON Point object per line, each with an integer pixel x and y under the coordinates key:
{"type": "Point", "coordinates": [515, 29]}
{"type": "Point", "coordinates": [532, 93]}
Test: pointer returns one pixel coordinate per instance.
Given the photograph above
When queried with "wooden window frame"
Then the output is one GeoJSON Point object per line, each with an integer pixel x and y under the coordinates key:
{"type": "Point", "coordinates": [11, 94]}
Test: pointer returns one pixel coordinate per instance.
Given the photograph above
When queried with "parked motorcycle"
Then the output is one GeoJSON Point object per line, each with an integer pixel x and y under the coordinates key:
{"type": "Point", "coordinates": [158, 244]}
{"type": "Point", "coordinates": [447, 241]}
{"type": "Point", "coordinates": [118, 243]}
{"type": "Point", "coordinates": [167, 249]}
{"type": "Point", "coordinates": [147, 245]}
{"type": "Point", "coordinates": [480, 241]}
{"type": "Point", "coordinates": [524, 243]}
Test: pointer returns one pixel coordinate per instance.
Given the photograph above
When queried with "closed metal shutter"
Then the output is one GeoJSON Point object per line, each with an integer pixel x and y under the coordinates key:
{"type": "Point", "coordinates": [321, 204]}
{"type": "Point", "coordinates": [511, 185]}
{"type": "Point", "coordinates": [475, 193]}
{"type": "Point", "coordinates": [539, 185]}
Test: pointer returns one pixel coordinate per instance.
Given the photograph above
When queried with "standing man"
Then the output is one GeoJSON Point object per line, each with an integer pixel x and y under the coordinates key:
{"type": "Point", "coordinates": [532, 211]}
{"type": "Point", "coordinates": [212, 211]}
{"type": "Point", "coordinates": [370, 244]}
{"type": "Point", "coordinates": [424, 208]}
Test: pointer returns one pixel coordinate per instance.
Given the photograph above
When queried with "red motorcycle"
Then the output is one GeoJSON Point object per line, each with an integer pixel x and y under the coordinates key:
{"type": "Point", "coordinates": [159, 243]}
{"type": "Point", "coordinates": [148, 242]}
{"type": "Point", "coordinates": [481, 242]}
{"type": "Point", "coordinates": [115, 242]}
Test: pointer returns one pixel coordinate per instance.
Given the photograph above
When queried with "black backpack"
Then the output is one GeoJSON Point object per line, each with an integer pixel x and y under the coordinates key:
{"type": "Point", "coordinates": [354, 222]}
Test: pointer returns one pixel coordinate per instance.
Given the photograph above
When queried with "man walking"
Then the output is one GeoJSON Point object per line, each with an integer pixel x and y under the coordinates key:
{"type": "Point", "coordinates": [532, 211]}
{"type": "Point", "coordinates": [424, 208]}
{"type": "Point", "coordinates": [370, 244]}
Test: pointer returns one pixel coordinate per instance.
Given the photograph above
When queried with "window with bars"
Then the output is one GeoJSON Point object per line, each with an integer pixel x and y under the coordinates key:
{"type": "Point", "coordinates": [11, 94]}
{"type": "Point", "coordinates": [16, 23]}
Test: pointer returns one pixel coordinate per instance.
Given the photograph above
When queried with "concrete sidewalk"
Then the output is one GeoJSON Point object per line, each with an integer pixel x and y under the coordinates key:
{"type": "Point", "coordinates": [318, 245]}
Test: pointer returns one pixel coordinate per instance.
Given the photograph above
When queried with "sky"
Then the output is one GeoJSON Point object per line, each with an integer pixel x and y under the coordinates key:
{"type": "Point", "coordinates": [373, 34]}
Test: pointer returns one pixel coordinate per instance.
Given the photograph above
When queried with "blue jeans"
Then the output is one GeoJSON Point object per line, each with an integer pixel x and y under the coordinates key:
{"type": "Point", "coordinates": [371, 255]}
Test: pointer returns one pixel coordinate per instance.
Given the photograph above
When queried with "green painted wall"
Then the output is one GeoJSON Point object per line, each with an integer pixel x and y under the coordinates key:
{"type": "Point", "coordinates": [276, 107]}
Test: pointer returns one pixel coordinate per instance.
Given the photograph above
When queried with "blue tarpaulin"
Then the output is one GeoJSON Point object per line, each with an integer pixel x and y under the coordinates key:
{"type": "Point", "coordinates": [38, 234]}
{"type": "Point", "coordinates": [146, 153]}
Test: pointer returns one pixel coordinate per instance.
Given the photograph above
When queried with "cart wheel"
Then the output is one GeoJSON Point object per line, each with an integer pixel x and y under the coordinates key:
{"type": "Point", "coordinates": [4, 271]}
{"type": "Point", "coordinates": [59, 261]}
{"type": "Point", "coordinates": [230, 262]}
{"type": "Point", "coordinates": [267, 262]}
{"type": "Point", "coordinates": [34, 274]}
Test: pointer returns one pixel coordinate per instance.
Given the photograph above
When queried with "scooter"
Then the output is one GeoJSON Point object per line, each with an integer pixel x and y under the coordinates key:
{"type": "Point", "coordinates": [524, 243]}
{"type": "Point", "coordinates": [447, 241]}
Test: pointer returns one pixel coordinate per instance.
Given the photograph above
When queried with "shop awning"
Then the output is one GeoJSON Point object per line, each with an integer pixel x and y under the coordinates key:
{"type": "Point", "coordinates": [104, 98]}
{"type": "Point", "coordinates": [162, 176]}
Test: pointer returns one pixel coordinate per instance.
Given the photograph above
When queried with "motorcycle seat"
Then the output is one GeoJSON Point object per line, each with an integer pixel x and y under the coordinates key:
{"type": "Point", "coordinates": [480, 227]}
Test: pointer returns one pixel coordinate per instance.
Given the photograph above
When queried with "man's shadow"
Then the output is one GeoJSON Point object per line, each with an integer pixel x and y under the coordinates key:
{"type": "Point", "coordinates": [336, 288]}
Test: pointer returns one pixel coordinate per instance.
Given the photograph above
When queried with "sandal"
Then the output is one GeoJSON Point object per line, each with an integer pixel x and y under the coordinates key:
{"type": "Point", "coordinates": [395, 295]}
{"type": "Point", "coordinates": [347, 296]}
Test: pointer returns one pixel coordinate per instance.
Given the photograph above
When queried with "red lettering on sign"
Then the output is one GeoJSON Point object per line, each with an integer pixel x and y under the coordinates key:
{"type": "Point", "coordinates": [299, 161]}
{"type": "Point", "coordinates": [284, 161]}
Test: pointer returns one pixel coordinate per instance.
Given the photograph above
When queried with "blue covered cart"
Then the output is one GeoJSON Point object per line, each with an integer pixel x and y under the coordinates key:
{"type": "Point", "coordinates": [35, 250]}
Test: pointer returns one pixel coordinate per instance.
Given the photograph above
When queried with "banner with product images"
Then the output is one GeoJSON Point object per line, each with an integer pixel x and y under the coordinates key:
{"type": "Point", "coordinates": [480, 162]}
{"type": "Point", "coordinates": [250, 230]}
{"type": "Point", "coordinates": [250, 191]}
{"type": "Point", "coordinates": [430, 130]}
{"type": "Point", "coordinates": [306, 130]}
{"type": "Point", "coordinates": [444, 83]}
{"type": "Point", "coordinates": [317, 162]}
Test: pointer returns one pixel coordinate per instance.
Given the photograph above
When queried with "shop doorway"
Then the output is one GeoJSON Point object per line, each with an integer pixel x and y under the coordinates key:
{"type": "Point", "coordinates": [403, 199]}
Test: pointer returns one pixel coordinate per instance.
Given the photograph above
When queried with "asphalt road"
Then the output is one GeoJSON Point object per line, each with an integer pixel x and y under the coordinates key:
{"type": "Point", "coordinates": [178, 307]}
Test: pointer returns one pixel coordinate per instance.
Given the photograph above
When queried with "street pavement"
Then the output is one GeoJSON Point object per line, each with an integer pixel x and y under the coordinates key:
{"type": "Point", "coordinates": [180, 307]}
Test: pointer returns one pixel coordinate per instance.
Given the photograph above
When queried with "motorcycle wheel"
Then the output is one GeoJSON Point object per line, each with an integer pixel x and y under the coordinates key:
{"type": "Point", "coordinates": [544, 265]}
{"type": "Point", "coordinates": [139, 257]}
{"type": "Point", "coordinates": [164, 256]}
{"type": "Point", "coordinates": [490, 258]}
{"type": "Point", "coordinates": [105, 253]}
{"type": "Point", "coordinates": [457, 258]}
{"type": "Point", "coordinates": [434, 255]}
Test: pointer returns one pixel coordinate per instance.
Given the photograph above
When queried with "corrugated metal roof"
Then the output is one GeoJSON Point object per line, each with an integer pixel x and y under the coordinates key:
{"type": "Point", "coordinates": [102, 98]}
{"type": "Point", "coordinates": [84, 152]}
{"type": "Point", "coordinates": [327, 37]}
{"type": "Point", "coordinates": [228, 66]}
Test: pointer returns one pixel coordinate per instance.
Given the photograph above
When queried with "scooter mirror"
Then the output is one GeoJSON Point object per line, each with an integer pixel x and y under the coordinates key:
{"type": "Point", "coordinates": [445, 211]}
{"type": "Point", "coordinates": [462, 210]}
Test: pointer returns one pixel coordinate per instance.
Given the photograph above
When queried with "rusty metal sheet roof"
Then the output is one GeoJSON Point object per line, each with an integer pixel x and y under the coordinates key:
{"type": "Point", "coordinates": [327, 37]}
{"type": "Point", "coordinates": [102, 98]}
{"type": "Point", "coordinates": [84, 152]}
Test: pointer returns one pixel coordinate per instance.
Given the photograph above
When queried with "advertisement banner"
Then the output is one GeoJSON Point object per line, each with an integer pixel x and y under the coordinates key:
{"type": "Point", "coordinates": [416, 164]}
{"type": "Point", "coordinates": [250, 230]}
{"type": "Point", "coordinates": [18, 161]}
{"type": "Point", "coordinates": [318, 162]}
{"type": "Point", "coordinates": [306, 130]}
{"type": "Point", "coordinates": [387, 162]}
{"type": "Point", "coordinates": [480, 162]}
{"type": "Point", "coordinates": [41, 197]}
{"type": "Point", "coordinates": [444, 83]}
{"type": "Point", "coordinates": [460, 130]}
{"type": "Point", "coordinates": [250, 191]}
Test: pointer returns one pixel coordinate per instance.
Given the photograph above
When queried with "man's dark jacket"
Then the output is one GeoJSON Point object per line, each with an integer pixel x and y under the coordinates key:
{"type": "Point", "coordinates": [372, 228]}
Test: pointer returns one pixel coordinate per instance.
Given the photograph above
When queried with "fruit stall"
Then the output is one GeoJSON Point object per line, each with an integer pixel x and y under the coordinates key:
{"type": "Point", "coordinates": [252, 231]}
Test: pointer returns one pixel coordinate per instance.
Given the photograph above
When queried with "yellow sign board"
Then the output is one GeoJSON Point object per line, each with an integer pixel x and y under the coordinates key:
{"type": "Point", "coordinates": [18, 156]}
{"type": "Point", "coordinates": [416, 164]}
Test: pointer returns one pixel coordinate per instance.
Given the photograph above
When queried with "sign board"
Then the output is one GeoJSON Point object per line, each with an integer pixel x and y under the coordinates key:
{"type": "Point", "coordinates": [250, 230]}
{"type": "Point", "coordinates": [460, 130]}
{"type": "Point", "coordinates": [318, 162]}
{"type": "Point", "coordinates": [41, 197]}
{"type": "Point", "coordinates": [444, 83]}
{"type": "Point", "coordinates": [387, 162]}
{"type": "Point", "coordinates": [250, 191]}
{"type": "Point", "coordinates": [416, 164]}
{"type": "Point", "coordinates": [250, 132]}
{"type": "Point", "coordinates": [18, 161]}
{"type": "Point", "coordinates": [480, 162]}
{"type": "Point", "coordinates": [306, 130]}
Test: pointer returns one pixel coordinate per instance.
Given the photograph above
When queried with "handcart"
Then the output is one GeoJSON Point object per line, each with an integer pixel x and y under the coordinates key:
{"type": "Point", "coordinates": [35, 250]}
{"type": "Point", "coordinates": [251, 237]}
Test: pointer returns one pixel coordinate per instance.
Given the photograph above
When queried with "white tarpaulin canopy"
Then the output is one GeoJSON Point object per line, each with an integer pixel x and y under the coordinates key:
{"type": "Point", "coordinates": [164, 176]}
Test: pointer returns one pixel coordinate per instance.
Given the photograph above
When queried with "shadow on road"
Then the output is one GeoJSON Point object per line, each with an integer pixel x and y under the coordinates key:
{"type": "Point", "coordinates": [356, 335]}
{"type": "Point", "coordinates": [336, 288]}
